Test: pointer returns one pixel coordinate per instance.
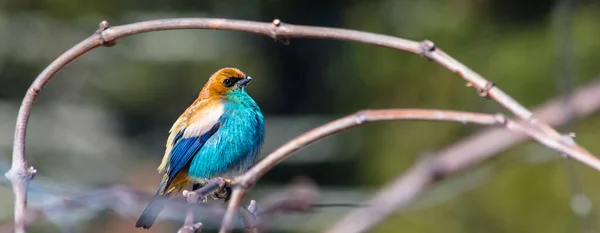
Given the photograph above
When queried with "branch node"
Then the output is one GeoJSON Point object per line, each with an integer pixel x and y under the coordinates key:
{"type": "Point", "coordinates": [34, 90]}
{"type": "Point", "coordinates": [531, 118]}
{"type": "Point", "coordinates": [253, 207]}
{"type": "Point", "coordinates": [104, 25]}
{"type": "Point", "coordinates": [437, 173]}
{"type": "Point", "coordinates": [21, 175]}
{"type": "Point", "coordinates": [277, 24]}
{"type": "Point", "coordinates": [250, 220]}
{"type": "Point", "coordinates": [568, 138]}
{"type": "Point", "coordinates": [191, 196]}
{"type": "Point", "coordinates": [501, 118]}
{"type": "Point", "coordinates": [196, 228]}
{"type": "Point", "coordinates": [360, 117]}
{"type": "Point", "coordinates": [485, 91]}
{"type": "Point", "coordinates": [244, 184]}
{"type": "Point", "coordinates": [427, 47]}
{"type": "Point", "coordinates": [30, 173]}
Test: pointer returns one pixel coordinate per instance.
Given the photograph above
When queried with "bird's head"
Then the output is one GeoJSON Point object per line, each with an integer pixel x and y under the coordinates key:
{"type": "Point", "coordinates": [225, 80]}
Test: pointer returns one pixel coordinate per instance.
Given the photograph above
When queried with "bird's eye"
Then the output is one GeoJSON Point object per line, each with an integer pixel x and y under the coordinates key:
{"type": "Point", "coordinates": [227, 82]}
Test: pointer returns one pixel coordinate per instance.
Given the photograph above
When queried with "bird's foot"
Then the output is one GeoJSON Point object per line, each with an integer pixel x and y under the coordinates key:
{"type": "Point", "coordinates": [224, 191]}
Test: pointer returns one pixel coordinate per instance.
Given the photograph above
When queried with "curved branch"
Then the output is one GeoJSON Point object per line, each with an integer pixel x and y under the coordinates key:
{"type": "Point", "coordinates": [253, 174]}
{"type": "Point", "coordinates": [399, 193]}
{"type": "Point", "coordinates": [107, 36]}
{"type": "Point", "coordinates": [435, 170]}
{"type": "Point", "coordinates": [356, 119]}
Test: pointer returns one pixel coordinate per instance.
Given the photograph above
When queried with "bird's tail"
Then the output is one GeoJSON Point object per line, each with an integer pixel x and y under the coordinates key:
{"type": "Point", "coordinates": [156, 205]}
{"type": "Point", "coordinates": [150, 214]}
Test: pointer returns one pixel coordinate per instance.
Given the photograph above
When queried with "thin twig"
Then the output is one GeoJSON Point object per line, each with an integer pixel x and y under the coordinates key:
{"type": "Point", "coordinates": [250, 221]}
{"type": "Point", "coordinates": [107, 36]}
{"type": "Point", "coordinates": [485, 88]}
{"type": "Point", "coordinates": [580, 203]}
{"type": "Point", "coordinates": [480, 146]}
{"type": "Point", "coordinates": [188, 225]}
{"type": "Point", "coordinates": [19, 177]}
{"type": "Point", "coordinates": [299, 196]}
{"type": "Point", "coordinates": [192, 197]}
{"type": "Point", "coordinates": [237, 195]}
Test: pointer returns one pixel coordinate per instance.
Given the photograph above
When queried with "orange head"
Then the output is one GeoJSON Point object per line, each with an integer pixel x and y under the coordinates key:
{"type": "Point", "coordinates": [223, 81]}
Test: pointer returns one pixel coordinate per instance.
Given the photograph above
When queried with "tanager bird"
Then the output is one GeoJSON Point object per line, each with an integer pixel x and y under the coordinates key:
{"type": "Point", "coordinates": [219, 135]}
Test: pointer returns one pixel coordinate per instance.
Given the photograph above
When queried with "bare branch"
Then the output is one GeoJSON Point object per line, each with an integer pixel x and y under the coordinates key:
{"type": "Point", "coordinates": [484, 87]}
{"type": "Point", "coordinates": [107, 36]}
{"type": "Point", "coordinates": [249, 215]}
{"type": "Point", "coordinates": [188, 225]}
{"type": "Point", "coordinates": [19, 177]}
{"type": "Point", "coordinates": [399, 193]}
{"type": "Point", "coordinates": [299, 196]}
{"type": "Point", "coordinates": [236, 199]}
{"type": "Point", "coordinates": [251, 176]}
{"type": "Point", "coordinates": [126, 201]}
{"type": "Point", "coordinates": [584, 101]}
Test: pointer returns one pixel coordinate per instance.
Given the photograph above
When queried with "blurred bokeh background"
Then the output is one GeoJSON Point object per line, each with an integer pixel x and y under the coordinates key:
{"type": "Point", "coordinates": [104, 119]}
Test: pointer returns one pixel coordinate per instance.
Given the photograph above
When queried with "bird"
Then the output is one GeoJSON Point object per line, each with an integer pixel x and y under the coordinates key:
{"type": "Point", "coordinates": [218, 136]}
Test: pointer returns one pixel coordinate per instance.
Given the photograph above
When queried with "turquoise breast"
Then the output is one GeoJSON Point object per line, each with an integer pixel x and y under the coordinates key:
{"type": "Point", "coordinates": [236, 144]}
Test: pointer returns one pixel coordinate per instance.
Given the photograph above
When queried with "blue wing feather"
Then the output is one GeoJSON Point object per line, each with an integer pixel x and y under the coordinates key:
{"type": "Point", "coordinates": [185, 149]}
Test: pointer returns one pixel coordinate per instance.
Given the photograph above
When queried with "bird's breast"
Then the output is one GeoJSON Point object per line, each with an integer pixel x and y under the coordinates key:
{"type": "Point", "coordinates": [235, 145]}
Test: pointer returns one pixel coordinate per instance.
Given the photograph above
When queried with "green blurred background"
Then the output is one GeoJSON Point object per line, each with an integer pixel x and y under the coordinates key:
{"type": "Point", "coordinates": [103, 120]}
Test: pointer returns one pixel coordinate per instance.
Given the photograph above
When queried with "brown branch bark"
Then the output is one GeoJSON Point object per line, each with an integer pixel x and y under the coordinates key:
{"type": "Point", "coordinates": [107, 36]}
{"type": "Point", "coordinates": [398, 194]}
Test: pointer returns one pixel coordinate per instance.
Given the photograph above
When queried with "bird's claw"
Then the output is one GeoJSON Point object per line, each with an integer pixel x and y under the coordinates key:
{"type": "Point", "coordinates": [223, 193]}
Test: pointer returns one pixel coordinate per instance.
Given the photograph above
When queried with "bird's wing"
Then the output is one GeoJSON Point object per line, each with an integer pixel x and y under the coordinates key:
{"type": "Point", "coordinates": [193, 128]}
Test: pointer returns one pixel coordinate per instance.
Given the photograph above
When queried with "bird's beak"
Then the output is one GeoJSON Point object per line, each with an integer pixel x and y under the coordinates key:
{"type": "Point", "coordinates": [245, 81]}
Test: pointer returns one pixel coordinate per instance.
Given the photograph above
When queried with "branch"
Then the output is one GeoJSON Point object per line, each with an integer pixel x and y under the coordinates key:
{"type": "Point", "coordinates": [298, 197]}
{"type": "Point", "coordinates": [188, 225]}
{"type": "Point", "coordinates": [192, 198]}
{"type": "Point", "coordinates": [249, 178]}
{"type": "Point", "coordinates": [107, 36]}
{"type": "Point", "coordinates": [19, 177]}
{"type": "Point", "coordinates": [584, 101]}
{"type": "Point", "coordinates": [474, 149]}
{"type": "Point", "coordinates": [253, 174]}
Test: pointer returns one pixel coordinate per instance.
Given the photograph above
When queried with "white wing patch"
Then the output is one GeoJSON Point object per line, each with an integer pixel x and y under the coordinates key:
{"type": "Point", "coordinates": [205, 120]}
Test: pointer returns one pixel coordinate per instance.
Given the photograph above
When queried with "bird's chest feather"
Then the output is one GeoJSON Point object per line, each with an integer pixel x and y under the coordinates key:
{"type": "Point", "coordinates": [235, 145]}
